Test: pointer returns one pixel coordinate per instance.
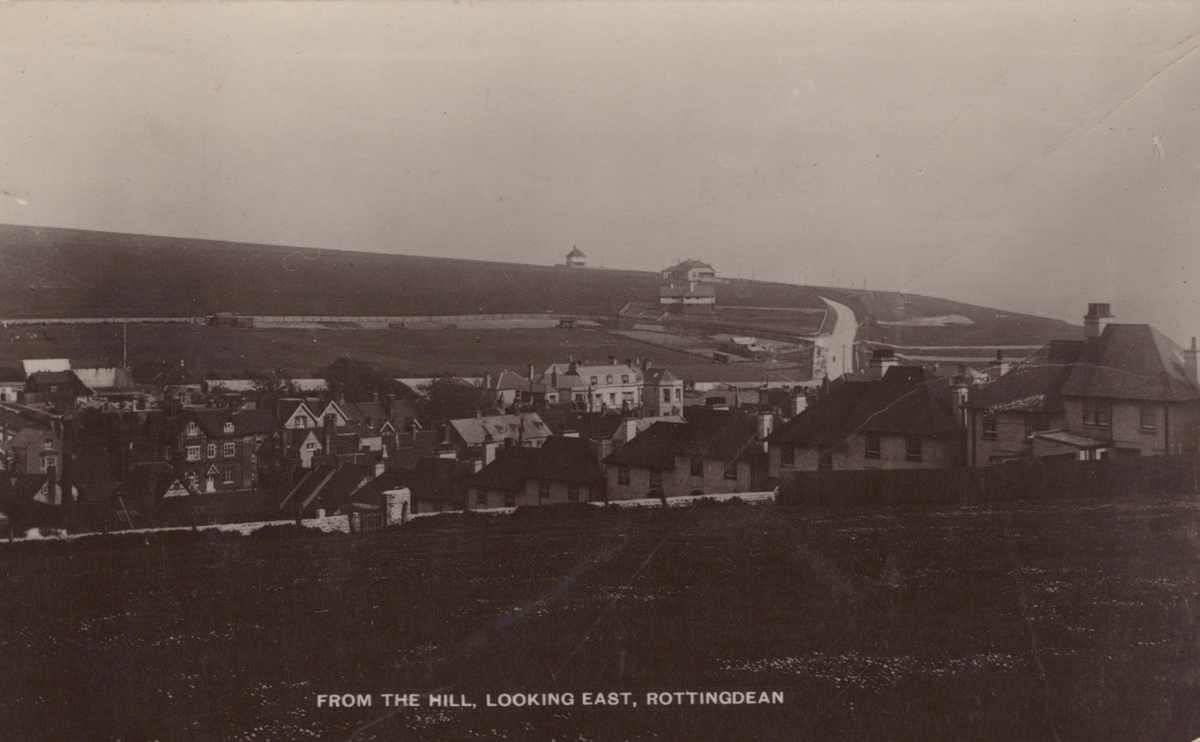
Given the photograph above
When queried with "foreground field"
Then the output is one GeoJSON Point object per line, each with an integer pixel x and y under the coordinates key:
{"type": "Point", "coordinates": [1066, 621]}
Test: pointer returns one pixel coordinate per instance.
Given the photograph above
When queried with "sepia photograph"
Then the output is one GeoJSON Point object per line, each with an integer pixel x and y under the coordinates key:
{"type": "Point", "coordinates": [600, 370]}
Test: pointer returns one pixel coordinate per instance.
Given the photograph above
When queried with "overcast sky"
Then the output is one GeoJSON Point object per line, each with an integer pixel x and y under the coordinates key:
{"type": "Point", "coordinates": [1030, 156]}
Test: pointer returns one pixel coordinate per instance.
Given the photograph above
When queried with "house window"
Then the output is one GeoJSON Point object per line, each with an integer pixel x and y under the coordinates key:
{"type": "Point", "coordinates": [227, 428]}
{"type": "Point", "coordinates": [912, 448]}
{"type": "Point", "coordinates": [989, 426]}
{"type": "Point", "coordinates": [228, 450]}
{"type": "Point", "coordinates": [678, 394]}
{"type": "Point", "coordinates": [573, 493]}
{"type": "Point", "coordinates": [48, 444]}
{"type": "Point", "coordinates": [212, 450]}
{"type": "Point", "coordinates": [193, 453]}
{"type": "Point", "coordinates": [825, 462]}
{"type": "Point", "coordinates": [624, 378]}
{"type": "Point", "coordinates": [656, 478]}
{"type": "Point", "coordinates": [227, 475]}
{"type": "Point", "coordinates": [481, 498]}
{"type": "Point", "coordinates": [510, 498]}
{"type": "Point", "coordinates": [608, 379]}
{"type": "Point", "coordinates": [192, 430]}
{"type": "Point", "coordinates": [543, 489]}
{"type": "Point", "coordinates": [310, 446]}
{"type": "Point", "coordinates": [190, 477]}
{"type": "Point", "coordinates": [1147, 417]}
{"type": "Point", "coordinates": [301, 421]}
{"type": "Point", "coordinates": [787, 454]}
{"type": "Point", "coordinates": [623, 475]}
{"type": "Point", "coordinates": [627, 399]}
{"type": "Point", "coordinates": [595, 380]}
{"type": "Point", "coordinates": [666, 395]}
{"type": "Point", "coordinates": [1097, 412]}
{"type": "Point", "coordinates": [50, 461]}
{"type": "Point", "coordinates": [698, 466]}
{"type": "Point", "coordinates": [872, 446]}
{"type": "Point", "coordinates": [731, 471]}
{"type": "Point", "coordinates": [612, 398]}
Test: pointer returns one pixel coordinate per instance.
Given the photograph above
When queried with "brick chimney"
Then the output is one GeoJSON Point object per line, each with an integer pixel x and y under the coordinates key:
{"type": "Point", "coordinates": [881, 360]}
{"type": "Point", "coordinates": [1189, 363]}
{"type": "Point", "coordinates": [1097, 318]}
{"type": "Point", "coordinates": [1001, 363]}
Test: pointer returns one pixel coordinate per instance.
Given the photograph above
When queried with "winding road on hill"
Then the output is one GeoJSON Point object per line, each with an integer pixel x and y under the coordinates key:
{"type": "Point", "coordinates": [839, 343]}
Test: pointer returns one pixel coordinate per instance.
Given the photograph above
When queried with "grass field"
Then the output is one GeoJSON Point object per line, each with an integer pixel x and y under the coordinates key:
{"type": "Point", "coordinates": [406, 352]}
{"type": "Point", "coordinates": [75, 273]}
{"type": "Point", "coordinates": [1062, 621]}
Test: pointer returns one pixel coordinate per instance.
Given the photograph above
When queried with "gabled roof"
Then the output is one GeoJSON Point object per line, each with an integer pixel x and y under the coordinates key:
{"type": "Point", "coordinates": [28, 436]}
{"type": "Point", "coordinates": [288, 407]}
{"type": "Point", "coordinates": [907, 401]}
{"type": "Point", "coordinates": [509, 380]}
{"type": "Point", "coordinates": [576, 253]}
{"type": "Point", "coordinates": [1130, 362]}
{"type": "Point", "coordinates": [1034, 385]}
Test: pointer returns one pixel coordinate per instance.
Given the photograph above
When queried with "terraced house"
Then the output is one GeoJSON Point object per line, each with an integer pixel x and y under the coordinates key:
{"type": "Point", "coordinates": [1124, 390]}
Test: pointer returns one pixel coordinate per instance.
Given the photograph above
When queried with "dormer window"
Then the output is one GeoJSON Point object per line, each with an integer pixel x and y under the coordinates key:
{"type": "Point", "coordinates": [227, 428]}
{"type": "Point", "coordinates": [192, 430]}
{"type": "Point", "coordinates": [595, 380]}
{"type": "Point", "coordinates": [624, 378]}
{"type": "Point", "coordinates": [608, 379]}
{"type": "Point", "coordinates": [47, 444]}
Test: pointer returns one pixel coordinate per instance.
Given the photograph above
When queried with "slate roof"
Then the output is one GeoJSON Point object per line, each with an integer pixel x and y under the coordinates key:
{"type": "Point", "coordinates": [509, 380]}
{"type": "Point", "coordinates": [560, 459]}
{"type": "Point", "coordinates": [907, 401]}
{"type": "Point", "coordinates": [43, 378]}
{"type": "Point", "coordinates": [576, 253]}
{"type": "Point", "coordinates": [302, 491]}
{"type": "Point", "coordinates": [507, 471]}
{"type": "Point", "coordinates": [475, 431]}
{"type": "Point", "coordinates": [336, 491]}
{"type": "Point", "coordinates": [728, 435]}
{"type": "Point", "coordinates": [436, 479]}
{"type": "Point", "coordinates": [656, 376]}
{"type": "Point", "coordinates": [1130, 362]}
{"type": "Point", "coordinates": [1033, 385]}
{"type": "Point", "coordinates": [371, 493]}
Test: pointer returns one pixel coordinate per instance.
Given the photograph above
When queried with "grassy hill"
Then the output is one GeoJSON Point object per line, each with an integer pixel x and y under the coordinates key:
{"type": "Point", "coordinates": [73, 273]}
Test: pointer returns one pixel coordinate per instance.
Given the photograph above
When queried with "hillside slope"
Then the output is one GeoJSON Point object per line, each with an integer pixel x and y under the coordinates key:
{"type": "Point", "coordinates": [48, 272]}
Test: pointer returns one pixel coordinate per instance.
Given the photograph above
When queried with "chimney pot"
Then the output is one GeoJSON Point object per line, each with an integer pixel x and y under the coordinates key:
{"type": "Point", "coordinates": [1190, 357]}
{"type": "Point", "coordinates": [1097, 318]}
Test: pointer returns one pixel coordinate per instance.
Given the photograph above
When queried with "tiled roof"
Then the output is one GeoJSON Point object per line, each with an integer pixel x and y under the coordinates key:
{"type": "Point", "coordinates": [1130, 362]}
{"type": "Point", "coordinates": [660, 376]}
{"type": "Point", "coordinates": [576, 253]}
{"type": "Point", "coordinates": [507, 471]}
{"type": "Point", "coordinates": [1034, 384]}
{"type": "Point", "coordinates": [372, 492]}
